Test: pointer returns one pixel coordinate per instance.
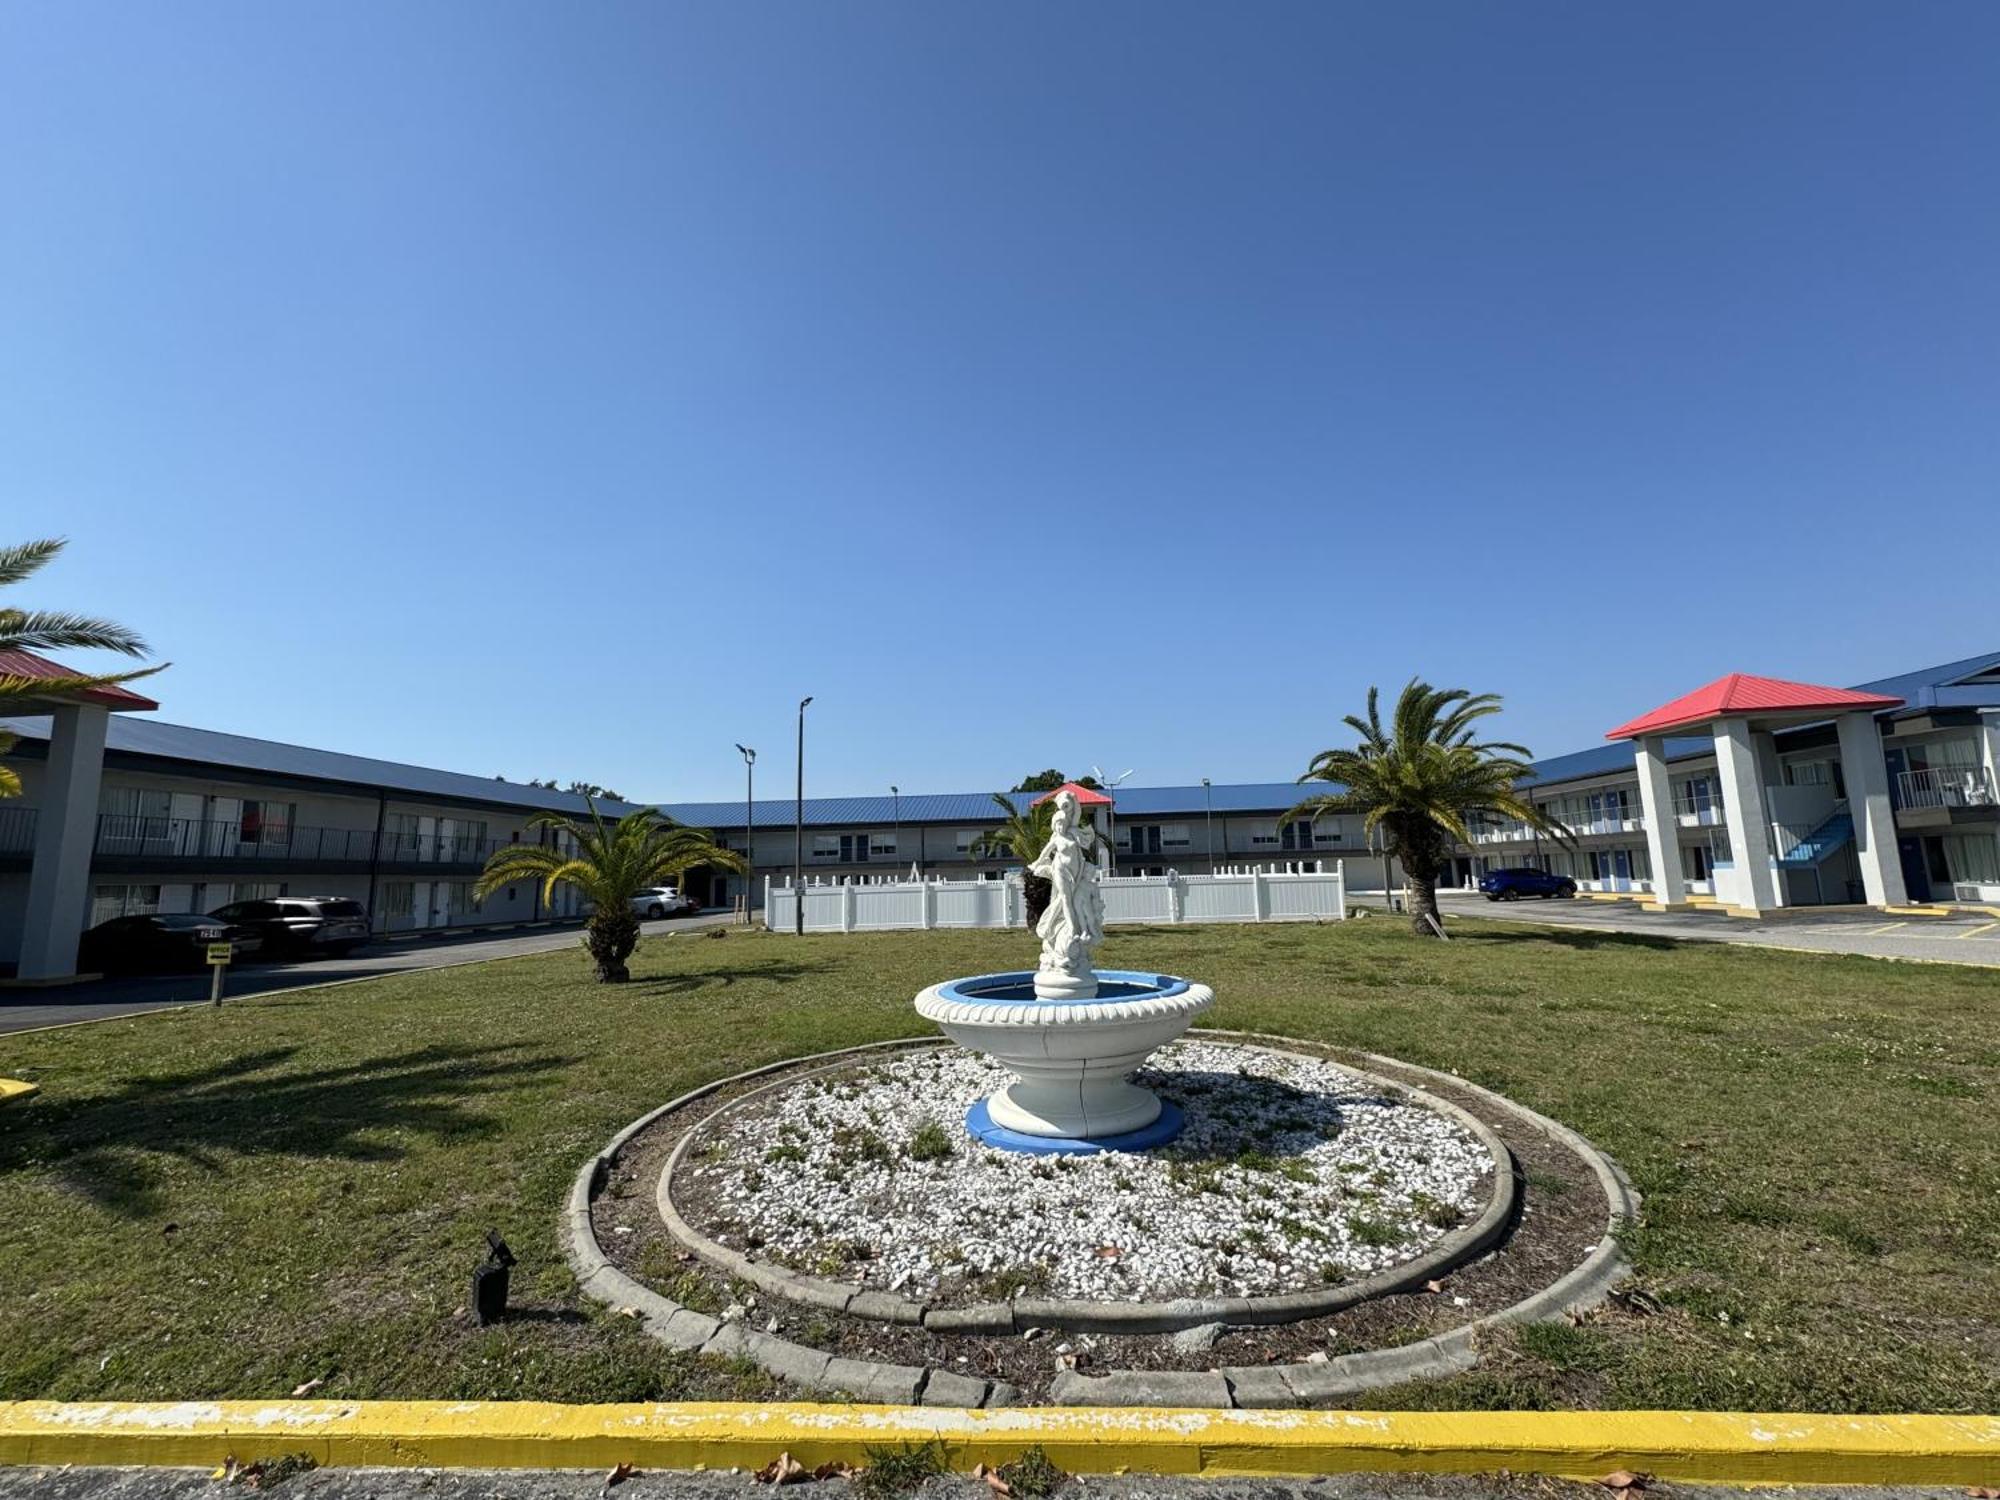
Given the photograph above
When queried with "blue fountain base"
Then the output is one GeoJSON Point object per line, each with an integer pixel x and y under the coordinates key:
{"type": "Point", "coordinates": [979, 1122]}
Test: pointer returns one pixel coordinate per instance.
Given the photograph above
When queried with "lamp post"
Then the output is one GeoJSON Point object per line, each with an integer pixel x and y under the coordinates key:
{"type": "Point", "coordinates": [799, 833]}
{"type": "Point", "coordinates": [1208, 796]}
{"type": "Point", "coordinates": [896, 796]}
{"type": "Point", "coordinates": [749, 825]}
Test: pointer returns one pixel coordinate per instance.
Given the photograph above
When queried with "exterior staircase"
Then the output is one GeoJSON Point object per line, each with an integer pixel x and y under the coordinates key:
{"type": "Point", "coordinates": [1813, 849]}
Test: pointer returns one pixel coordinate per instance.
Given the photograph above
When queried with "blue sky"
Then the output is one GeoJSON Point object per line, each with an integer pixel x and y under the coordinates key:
{"type": "Point", "coordinates": [570, 389]}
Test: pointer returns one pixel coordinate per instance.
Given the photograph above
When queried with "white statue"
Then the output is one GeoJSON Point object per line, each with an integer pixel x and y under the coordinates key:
{"type": "Point", "coordinates": [1074, 923]}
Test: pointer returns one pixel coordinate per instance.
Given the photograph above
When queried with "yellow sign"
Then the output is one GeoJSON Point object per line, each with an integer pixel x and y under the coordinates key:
{"type": "Point", "coordinates": [221, 953]}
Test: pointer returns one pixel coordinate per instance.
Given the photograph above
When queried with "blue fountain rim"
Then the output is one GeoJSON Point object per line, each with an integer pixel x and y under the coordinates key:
{"type": "Point", "coordinates": [979, 1124]}
{"type": "Point", "coordinates": [1018, 988]}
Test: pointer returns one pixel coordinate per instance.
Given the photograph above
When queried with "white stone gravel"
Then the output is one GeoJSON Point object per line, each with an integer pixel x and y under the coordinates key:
{"type": "Point", "coordinates": [1292, 1172]}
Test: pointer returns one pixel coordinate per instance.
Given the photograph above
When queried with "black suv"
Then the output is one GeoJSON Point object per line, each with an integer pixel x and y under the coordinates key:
{"type": "Point", "coordinates": [300, 926]}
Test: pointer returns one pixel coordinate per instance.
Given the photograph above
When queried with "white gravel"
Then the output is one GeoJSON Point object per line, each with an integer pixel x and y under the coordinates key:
{"type": "Point", "coordinates": [1292, 1172]}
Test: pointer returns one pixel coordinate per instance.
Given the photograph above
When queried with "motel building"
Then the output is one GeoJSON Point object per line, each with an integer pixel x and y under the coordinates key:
{"type": "Point", "coordinates": [1748, 795]}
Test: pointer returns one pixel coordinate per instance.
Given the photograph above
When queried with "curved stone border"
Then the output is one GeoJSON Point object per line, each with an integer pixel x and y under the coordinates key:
{"type": "Point", "coordinates": [1084, 1315]}
{"type": "Point", "coordinates": [1241, 1385]}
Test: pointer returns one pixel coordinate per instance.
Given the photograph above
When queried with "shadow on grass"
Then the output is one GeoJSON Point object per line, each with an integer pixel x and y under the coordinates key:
{"type": "Point", "coordinates": [108, 1147]}
{"type": "Point", "coordinates": [677, 984]}
{"type": "Point", "coordinates": [1581, 938]}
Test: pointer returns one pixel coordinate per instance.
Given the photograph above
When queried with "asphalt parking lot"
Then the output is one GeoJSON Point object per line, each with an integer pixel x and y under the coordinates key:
{"type": "Point", "coordinates": [1957, 938]}
{"type": "Point", "coordinates": [103, 999]}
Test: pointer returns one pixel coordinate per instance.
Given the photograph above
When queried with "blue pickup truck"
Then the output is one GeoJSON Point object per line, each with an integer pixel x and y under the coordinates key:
{"type": "Point", "coordinates": [1512, 885]}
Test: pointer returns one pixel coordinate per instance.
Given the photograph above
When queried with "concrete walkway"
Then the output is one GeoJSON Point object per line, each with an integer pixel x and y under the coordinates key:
{"type": "Point", "coordinates": [1960, 938]}
{"type": "Point", "coordinates": [28, 1009]}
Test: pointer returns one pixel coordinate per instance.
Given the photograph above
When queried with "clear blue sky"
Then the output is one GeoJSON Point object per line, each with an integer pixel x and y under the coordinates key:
{"type": "Point", "coordinates": [570, 388]}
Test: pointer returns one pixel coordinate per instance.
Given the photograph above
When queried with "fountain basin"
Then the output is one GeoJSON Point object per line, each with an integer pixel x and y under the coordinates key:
{"type": "Point", "coordinates": [1072, 1060]}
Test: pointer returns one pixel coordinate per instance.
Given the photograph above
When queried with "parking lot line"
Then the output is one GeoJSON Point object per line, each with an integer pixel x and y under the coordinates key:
{"type": "Point", "coordinates": [1974, 932]}
{"type": "Point", "coordinates": [1885, 927]}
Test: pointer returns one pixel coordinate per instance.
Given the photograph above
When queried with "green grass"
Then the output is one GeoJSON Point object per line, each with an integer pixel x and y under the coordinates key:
{"type": "Point", "coordinates": [234, 1203]}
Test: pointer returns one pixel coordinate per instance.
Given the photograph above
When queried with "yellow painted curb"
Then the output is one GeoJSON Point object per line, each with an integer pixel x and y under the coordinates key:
{"type": "Point", "coordinates": [13, 1090]}
{"type": "Point", "coordinates": [1719, 1447]}
{"type": "Point", "coordinates": [1916, 911]}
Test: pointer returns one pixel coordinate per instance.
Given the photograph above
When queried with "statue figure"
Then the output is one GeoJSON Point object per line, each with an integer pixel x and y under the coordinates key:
{"type": "Point", "coordinates": [1074, 923]}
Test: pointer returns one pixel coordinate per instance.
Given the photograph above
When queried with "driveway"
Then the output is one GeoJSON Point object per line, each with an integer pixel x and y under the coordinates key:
{"type": "Point", "coordinates": [28, 1009]}
{"type": "Point", "coordinates": [1960, 938]}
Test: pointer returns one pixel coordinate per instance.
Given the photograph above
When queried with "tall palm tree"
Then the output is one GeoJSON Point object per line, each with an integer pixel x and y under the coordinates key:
{"type": "Point", "coordinates": [609, 864]}
{"type": "Point", "coordinates": [52, 630]}
{"type": "Point", "coordinates": [1421, 780]}
{"type": "Point", "coordinates": [1022, 835]}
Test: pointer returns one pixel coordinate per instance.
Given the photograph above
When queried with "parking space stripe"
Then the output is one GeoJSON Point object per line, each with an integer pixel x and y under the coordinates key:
{"type": "Point", "coordinates": [1885, 927]}
{"type": "Point", "coordinates": [1986, 927]}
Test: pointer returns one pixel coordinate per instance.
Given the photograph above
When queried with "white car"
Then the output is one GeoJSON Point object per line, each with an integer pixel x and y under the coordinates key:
{"type": "Point", "coordinates": [661, 901]}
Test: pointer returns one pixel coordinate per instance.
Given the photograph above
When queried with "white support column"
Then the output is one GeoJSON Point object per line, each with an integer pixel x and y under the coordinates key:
{"type": "Point", "coordinates": [1746, 813]}
{"type": "Point", "coordinates": [1663, 833]}
{"type": "Point", "coordinates": [65, 834]}
{"type": "Point", "coordinates": [1867, 776]}
{"type": "Point", "coordinates": [1100, 821]}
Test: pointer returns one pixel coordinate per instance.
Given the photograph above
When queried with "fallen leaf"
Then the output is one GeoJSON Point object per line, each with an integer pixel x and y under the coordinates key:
{"type": "Point", "coordinates": [993, 1480]}
{"type": "Point", "coordinates": [1435, 1288]}
{"type": "Point", "coordinates": [1983, 1492]}
{"type": "Point", "coordinates": [1108, 1252]}
{"type": "Point", "coordinates": [628, 1312]}
{"type": "Point", "coordinates": [784, 1469]}
{"type": "Point", "coordinates": [619, 1475]}
{"type": "Point", "coordinates": [1623, 1481]}
{"type": "Point", "coordinates": [835, 1470]}
{"type": "Point", "coordinates": [308, 1387]}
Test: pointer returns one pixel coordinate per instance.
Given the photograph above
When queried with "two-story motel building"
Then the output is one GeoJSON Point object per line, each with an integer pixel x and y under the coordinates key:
{"type": "Point", "coordinates": [1750, 794]}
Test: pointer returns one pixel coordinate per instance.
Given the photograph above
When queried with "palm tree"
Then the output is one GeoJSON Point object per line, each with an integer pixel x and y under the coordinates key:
{"type": "Point", "coordinates": [52, 630]}
{"type": "Point", "coordinates": [1421, 780]}
{"type": "Point", "coordinates": [1022, 835]}
{"type": "Point", "coordinates": [609, 863]}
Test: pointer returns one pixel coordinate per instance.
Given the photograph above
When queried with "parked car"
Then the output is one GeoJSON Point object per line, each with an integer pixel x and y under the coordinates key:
{"type": "Point", "coordinates": [300, 926]}
{"type": "Point", "coordinates": [155, 942]}
{"type": "Point", "coordinates": [1512, 885]}
{"type": "Point", "coordinates": [662, 901]}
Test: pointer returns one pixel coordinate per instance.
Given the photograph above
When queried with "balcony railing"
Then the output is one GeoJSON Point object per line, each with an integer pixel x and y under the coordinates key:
{"type": "Point", "coordinates": [1945, 786]}
{"type": "Point", "coordinates": [1699, 809]}
{"type": "Point", "coordinates": [228, 839]}
{"type": "Point", "coordinates": [17, 830]}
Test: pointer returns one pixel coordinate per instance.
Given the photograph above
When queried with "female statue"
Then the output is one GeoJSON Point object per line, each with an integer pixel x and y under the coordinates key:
{"type": "Point", "coordinates": [1074, 923]}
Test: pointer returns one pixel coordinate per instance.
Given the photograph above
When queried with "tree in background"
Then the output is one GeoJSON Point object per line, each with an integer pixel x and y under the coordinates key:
{"type": "Point", "coordinates": [1420, 780]}
{"type": "Point", "coordinates": [608, 864]}
{"type": "Point", "coordinates": [52, 630]}
{"type": "Point", "coordinates": [1022, 836]}
{"type": "Point", "coordinates": [582, 789]}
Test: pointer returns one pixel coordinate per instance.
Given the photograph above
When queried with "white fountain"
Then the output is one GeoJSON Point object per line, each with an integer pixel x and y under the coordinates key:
{"type": "Point", "coordinates": [1071, 1036]}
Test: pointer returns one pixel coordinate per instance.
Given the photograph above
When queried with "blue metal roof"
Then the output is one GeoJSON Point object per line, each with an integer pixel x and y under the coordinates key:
{"type": "Point", "coordinates": [1937, 687]}
{"type": "Point", "coordinates": [129, 735]}
{"type": "Point", "coordinates": [976, 809]}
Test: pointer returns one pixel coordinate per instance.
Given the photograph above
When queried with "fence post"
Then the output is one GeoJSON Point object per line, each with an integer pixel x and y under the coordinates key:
{"type": "Point", "coordinates": [1260, 896]}
{"type": "Point", "coordinates": [847, 908]}
{"type": "Point", "coordinates": [1176, 897]}
{"type": "Point", "coordinates": [1340, 890]}
{"type": "Point", "coordinates": [927, 901]}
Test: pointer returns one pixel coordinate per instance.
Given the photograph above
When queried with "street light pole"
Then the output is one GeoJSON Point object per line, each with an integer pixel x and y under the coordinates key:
{"type": "Point", "coordinates": [799, 833]}
{"type": "Point", "coordinates": [896, 794]}
{"type": "Point", "coordinates": [1208, 796]}
{"type": "Point", "coordinates": [749, 825]}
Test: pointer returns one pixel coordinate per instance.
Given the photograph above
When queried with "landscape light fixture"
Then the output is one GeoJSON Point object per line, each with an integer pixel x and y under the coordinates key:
{"type": "Point", "coordinates": [489, 1281]}
{"type": "Point", "coordinates": [799, 832]}
{"type": "Point", "coordinates": [749, 824]}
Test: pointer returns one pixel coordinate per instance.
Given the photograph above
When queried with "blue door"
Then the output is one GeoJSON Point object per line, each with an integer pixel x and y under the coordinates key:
{"type": "Point", "coordinates": [1916, 875]}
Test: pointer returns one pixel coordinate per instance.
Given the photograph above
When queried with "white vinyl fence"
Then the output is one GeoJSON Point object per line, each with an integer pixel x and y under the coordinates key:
{"type": "Point", "coordinates": [1310, 892]}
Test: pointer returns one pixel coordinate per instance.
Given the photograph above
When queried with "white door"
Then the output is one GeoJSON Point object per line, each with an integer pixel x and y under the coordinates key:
{"type": "Point", "coordinates": [420, 903]}
{"type": "Point", "coordinates": [225, 818]}
{"type": "Point", "coordinates": [185, 813]}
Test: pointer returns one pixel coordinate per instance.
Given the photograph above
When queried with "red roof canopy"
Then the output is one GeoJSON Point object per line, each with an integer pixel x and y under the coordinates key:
{"type": "Point", "coordinates": [1087, 796]}
{"type": "Point", "coordinates": [27, 664]}
{"type": "Point", "coordinates": [1741, 693]}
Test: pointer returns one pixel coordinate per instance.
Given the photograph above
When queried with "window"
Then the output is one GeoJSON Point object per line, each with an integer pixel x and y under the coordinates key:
{"type": "Point", "coordinates": [255, 890]}
{"type": "Point", "coordinates": [964, 840]}
{"type": "Point", "coordinates": [264, 823]}
{"type": "Point", "coordinates": [854, 848]}
{"type": "Point", "coordinates": [1297, 834]}
{"type": "Point", "coordinates": [1694, 862]}
{"type": "Point", "coordinates": [401, 836]}
{"type": "Point", "coordinates": [109, 901]}
{"type": "Point", "coordinates": [1142, 838]}
{"type": "Point", "coordinates": [399, 899]}
{"type": "Point", "coordinates": [882, 845]}
{"type": "Point", "coordinates": [1174, 836]}
{"type": "Point", "coordinates": [1263, 835]}
{"type": "Point", "coordinates": [826, 846]}
{"type": "Point", "coordinates": [1974, 858]}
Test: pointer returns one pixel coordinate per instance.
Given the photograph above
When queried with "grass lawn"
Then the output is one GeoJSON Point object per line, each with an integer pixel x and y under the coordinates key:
{"type": "Point", "coordinates": [235, 1203]}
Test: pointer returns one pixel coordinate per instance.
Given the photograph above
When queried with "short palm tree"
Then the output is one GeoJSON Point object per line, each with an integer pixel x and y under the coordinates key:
{"type": "Point", "coordinates": [609, 864]}
{"type": "Point", "coordinates": [1023, 835]}
{"type": "Point", "coordinates": [51, 630]}
{"type": "Point", "coordinates": [1421, 781]}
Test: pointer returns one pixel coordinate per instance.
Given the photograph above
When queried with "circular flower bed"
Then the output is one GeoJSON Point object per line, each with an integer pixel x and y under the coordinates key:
{"type": "Point", "coordinates": [1292, 1173]}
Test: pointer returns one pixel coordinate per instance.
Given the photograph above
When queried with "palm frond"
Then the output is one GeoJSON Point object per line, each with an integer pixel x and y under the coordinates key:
{"type": "Point", "coordinates": [55, 630]}
{"type": "Point", "coordinates": [25, 558]}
